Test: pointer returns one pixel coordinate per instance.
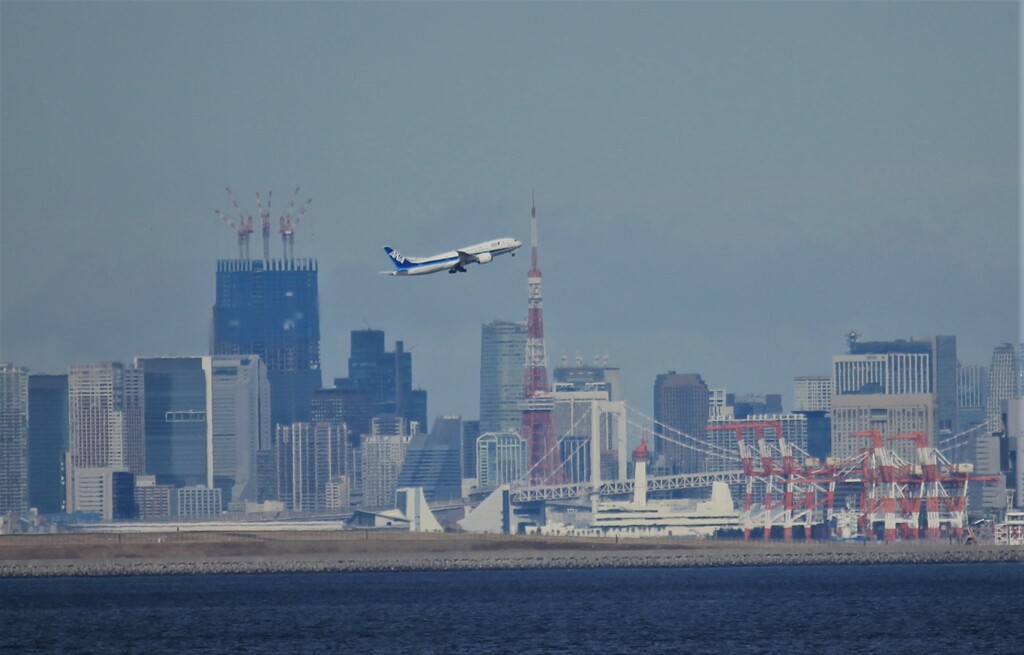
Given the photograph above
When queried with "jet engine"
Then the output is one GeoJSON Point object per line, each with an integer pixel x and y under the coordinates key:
{"type": "Point", "coordinates": [484, 258]}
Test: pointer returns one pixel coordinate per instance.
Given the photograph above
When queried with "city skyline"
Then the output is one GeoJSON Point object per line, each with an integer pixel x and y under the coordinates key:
{"type": "Point", "coordinates": [725, 190]}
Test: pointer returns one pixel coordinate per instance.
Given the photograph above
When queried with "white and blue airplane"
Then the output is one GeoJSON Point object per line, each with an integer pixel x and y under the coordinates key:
{"type": "Point", "coordinates": [453, 261]}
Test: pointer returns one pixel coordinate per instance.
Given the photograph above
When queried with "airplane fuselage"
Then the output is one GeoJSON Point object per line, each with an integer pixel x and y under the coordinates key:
{"type": "Point", "coordinates": [453, 261]}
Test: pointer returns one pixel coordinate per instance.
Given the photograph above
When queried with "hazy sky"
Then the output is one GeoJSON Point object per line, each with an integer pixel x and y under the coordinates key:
{"type": "Point", "coordinates": [722, 188]}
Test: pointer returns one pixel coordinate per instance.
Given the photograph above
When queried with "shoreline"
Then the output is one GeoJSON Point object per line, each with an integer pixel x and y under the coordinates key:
{"type": "Point", "coordinates": [28, 556]}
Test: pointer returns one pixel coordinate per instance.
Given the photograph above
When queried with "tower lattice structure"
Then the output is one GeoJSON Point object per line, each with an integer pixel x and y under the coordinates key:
{"type": "Point", "coordinates": [537, 427]}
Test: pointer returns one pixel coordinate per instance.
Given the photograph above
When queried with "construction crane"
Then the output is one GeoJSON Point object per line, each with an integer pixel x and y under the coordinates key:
{"type": "Point", "coordinates": [265, 217]}
{"type": "Point", "coordinates": [289, 223]}
{"type": "Point", "coordinates": [243, 227]}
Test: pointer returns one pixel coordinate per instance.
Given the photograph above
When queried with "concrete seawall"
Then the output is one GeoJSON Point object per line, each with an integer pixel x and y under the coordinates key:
{"type": "Point", "coordinates": [234, 553]}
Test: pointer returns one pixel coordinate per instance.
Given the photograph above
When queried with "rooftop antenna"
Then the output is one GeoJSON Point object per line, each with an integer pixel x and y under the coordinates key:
{"type": "Point", "coordinates": [243, 227]}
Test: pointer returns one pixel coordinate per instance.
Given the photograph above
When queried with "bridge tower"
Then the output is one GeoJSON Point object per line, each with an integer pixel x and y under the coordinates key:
{"type": "Point", "coordinates": [538, 403]}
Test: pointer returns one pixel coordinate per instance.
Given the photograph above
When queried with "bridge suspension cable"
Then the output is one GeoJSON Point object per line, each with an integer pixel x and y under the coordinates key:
{"type": "Point", "coordinates": [701, 446]}
{"type": "Point", "coordinates": [561, 465]}
{"type": "Point", "coordinates": [954, 441]}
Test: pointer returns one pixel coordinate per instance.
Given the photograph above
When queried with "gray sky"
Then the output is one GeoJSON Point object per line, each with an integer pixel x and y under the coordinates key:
{"type": "Point", "coordinates": [721, 188]}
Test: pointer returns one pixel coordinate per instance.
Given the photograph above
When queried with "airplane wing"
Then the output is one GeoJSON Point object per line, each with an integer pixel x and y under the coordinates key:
{"type": "Point", "coordinates": [464, 258]}
{"type": "Point", "coordinates": [482, 258]}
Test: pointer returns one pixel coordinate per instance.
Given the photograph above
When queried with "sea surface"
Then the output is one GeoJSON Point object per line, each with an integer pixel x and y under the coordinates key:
{"type": "Point", "coordinates": [925, 609]}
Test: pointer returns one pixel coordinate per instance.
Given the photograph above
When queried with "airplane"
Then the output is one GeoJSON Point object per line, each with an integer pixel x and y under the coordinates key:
{"type": "Point", "coordinates": [454, 261]}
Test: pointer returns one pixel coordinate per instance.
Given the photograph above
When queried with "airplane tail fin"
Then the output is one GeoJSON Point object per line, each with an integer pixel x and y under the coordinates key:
{"type": "Point", "coordinates": [398, 259]}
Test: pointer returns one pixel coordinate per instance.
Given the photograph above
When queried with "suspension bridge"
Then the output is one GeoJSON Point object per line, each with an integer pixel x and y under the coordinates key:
{"type": "Point", "coordinates": [785, 491]}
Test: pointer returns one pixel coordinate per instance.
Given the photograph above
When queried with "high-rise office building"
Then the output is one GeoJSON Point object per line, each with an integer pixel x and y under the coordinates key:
{"type": "Point", "coordinates": [105, 410]}
{"type": "Point", "coordinates": [240, 401]}
{"type": "Point", "coordinates": [500, 459]}
{"type": "Point", "coordinates": [812, 393]}
{"type": "Point", "coordinates": [470, 433]}
{"type": "Point", "coordinates": [206, 419]}
{"type": "Point", "coordinates": [681, 403]}
{"type": "Point", "coordinates": [571, 420]}
{"type": "Point", "coordinates": [754, 404]}
{"type": "Point", "coordinates": [905, 371]}
{"type": "Point", "coordinates": [971, 394]}
{"type": "Point", "coordinates": [971, 391]}
{"type": "Point", "coordinates": [348, 406]}
{"type": "Point", "coordinates": [718, 407]}
{"type": "Point", "coordinates": [1015, 450]}
{"type": "Point", "coordinates": [383, 453]}
{"type": "Point", "coordinates": [13, 439]}
{"type": "Point", "coordinates": [433, 461]}
{"type": "Point", "coordinates": [985, 452]}
{"type": "Point", "coordinates": [819, 434]}
{"type": "Point", "coordinates": [271, 308]}
{"type": "Point", "coordinates": [339, 493]}
{"type": "Point", "coordinates": [105, 438]}
{"type": "Point", "coordinates": [176, 425]}
{"type": "Point", "coordinates": [385, 376]}
{"type": "Point", "coordinates": [1004, 383]}
{"type": "Point", "coordinates": [992, 448]}
{"type": "Point", "coordinates": [944, 360]}
{"type": "Point", "coordinates": [895, 387]}
{"type": "Point", "coordinates": [310, 456]}
{"type": "Point", "coordinates": [502, 362]}
{"type": "Point", "coordinates": [812, 398]}
{"type": "Point", "coordinates": [890, 392]}
{"type": "Point", "coordinates": [47, 441]}
{"type": "Point", "coordinates": [889, 373]}
{"type": "Point", "coordinates": [589, 378]}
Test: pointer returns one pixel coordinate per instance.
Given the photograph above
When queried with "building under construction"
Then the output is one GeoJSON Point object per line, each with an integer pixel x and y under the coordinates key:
{"type": "Point", "coordinates": [270, 307]}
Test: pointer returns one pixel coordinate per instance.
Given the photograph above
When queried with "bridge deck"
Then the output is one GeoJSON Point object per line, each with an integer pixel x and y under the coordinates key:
{"type": "Point", "coordinates": [616, 487]}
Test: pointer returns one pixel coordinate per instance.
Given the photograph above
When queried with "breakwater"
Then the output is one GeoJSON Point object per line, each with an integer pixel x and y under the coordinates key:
{"type": "Point", "coordinates": [455, 553]}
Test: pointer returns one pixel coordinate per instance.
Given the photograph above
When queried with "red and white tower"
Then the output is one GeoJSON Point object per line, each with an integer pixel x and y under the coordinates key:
{"type": "Point", "coordinates": [537, 427]}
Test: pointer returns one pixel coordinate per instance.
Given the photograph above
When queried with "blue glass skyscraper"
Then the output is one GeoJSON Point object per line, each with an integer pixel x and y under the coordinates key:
{"type": "Point", "coordinates": [47, 441]}
{"type": "Point", "coordinates": [175, 419]}
{"type": "Point", "coordinates": [386, 377]}
{"type": "Point", "coordinates": [271, 308]}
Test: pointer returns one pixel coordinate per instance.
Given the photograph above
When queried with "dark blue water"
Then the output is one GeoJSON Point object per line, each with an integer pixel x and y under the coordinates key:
{"type": "Point", "coordinates": [927, 609]}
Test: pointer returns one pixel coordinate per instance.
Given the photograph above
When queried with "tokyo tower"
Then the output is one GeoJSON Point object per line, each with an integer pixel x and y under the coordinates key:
{"type": "Point", "coordinates": [538, 403]}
